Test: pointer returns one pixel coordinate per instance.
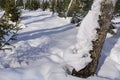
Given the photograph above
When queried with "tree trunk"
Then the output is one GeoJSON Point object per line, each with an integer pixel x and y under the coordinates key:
{"type": "Point", "coordinates": [71, 8]}
{"type": "Point", "coordinates": [107, 9]}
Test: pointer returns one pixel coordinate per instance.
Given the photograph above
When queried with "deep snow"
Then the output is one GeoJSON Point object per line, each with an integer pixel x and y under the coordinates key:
{"type": "Point", "coordinates": [42, 47]}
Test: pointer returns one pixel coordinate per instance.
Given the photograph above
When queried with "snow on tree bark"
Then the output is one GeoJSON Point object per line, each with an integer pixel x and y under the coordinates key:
{"type": "Point", "coordinates": [106, 12]}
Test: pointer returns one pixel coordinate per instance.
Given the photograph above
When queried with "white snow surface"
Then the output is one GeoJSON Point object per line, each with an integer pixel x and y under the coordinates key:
{"type": "Point", "coordinates": [44, 49]}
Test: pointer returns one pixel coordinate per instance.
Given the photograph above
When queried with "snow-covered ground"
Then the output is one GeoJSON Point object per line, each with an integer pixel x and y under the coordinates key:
{"type": "Point", "coordinates": [42, 48]}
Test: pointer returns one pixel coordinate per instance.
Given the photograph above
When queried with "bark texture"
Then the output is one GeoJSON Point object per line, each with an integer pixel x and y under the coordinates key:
{"type": "Point", "coordinates": [104, 21]}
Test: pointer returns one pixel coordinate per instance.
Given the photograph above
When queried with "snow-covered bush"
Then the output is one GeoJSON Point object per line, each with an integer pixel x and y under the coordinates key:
{"type": "Point", "coordinates": [7, 33]}
{"type": "Point", "coordinates": [8, 23]}
{"type": "Point", "coordinates": [2, 4]}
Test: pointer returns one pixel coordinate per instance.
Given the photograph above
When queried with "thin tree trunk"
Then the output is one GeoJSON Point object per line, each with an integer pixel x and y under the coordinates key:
{"type": "Point", "coordinates": [70, 7]}
{"type": "Point", "coordinates": [107, 9]}
{"type": "Point", "coordinates": [1, 18]}
{"type": "Point", "coordinates": [24, 2]}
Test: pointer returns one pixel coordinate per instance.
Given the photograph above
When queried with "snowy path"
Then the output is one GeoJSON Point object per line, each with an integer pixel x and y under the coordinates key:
{"type": "Point", "coordinates": [39, 49]}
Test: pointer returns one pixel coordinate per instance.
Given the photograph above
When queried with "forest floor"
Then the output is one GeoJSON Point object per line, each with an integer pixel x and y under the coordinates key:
{"type": "Point", "coordinates": [40, 51]}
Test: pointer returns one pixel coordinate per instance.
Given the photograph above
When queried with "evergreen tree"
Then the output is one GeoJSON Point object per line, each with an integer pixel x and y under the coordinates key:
{"type": "Point", "coordinates": [12, 14]}
{"type": "Point", "coordinates": [81, 9]}
{"type": "Point", "coordinates": [44, 5]}
{"type": "Point", "coordinates": [11, 11]}
{"type": "Point", "coordinates": [2, 4]}
{"type": "Point", "coordinates": [19, 3]}
{"type": "Point", "coordinates": [35, 5]}
{"type": "Point", "coordinates": [32, 4]}
{"type": "Point", "coordinates": [117, 8]}
{"type": "Point", "coordinates": [27, 4]}
{"type": "Point", "coordinates": [5, 30]}
{"type": "Point", "coordinates": [61, 7]}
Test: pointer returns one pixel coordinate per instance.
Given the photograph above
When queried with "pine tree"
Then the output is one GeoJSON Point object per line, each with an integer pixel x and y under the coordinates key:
{"type": "Point", "coordinates": [7, 27]}
{"type": "Point", "coordinates": [19, 3]}
{"type": "Point", "coordinates": [5, 30]}
{"type": "Point", "coordinates": [11, 11]}
{"type": "Point", "coordinates": [61, 7]}
{"type": "Point", "coordinates": [32, 4]}
{"type": "Point", "coordinates": [2, 4]}
{"type": "Point", "coordinates": [117, 8]}
{"type": "Point", "coordinates": [44, 5]}
{"type": "Point", "coordinates": [81, 9]}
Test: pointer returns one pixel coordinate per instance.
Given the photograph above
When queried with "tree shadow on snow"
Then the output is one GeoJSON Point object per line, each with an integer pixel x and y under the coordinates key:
{"type": "Point", "coordinates": [107, 47]}
{"type": "Point", "coordinates": [43, 32]}
{"type": "Point", "coordinates": [32, 16]}
{"type": "Point", "coordinates": [43, 19]}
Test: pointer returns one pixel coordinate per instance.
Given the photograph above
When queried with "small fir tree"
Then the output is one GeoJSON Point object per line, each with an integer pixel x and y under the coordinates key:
{"type": "Point", "coordinates": [61, 8]}
{"type": "Point", "coordinates": [2, 4]}
{"type": "Point", "coordinates": [11, 11]}
{"type": "Point", "coordinates": [32, 4]}
{"type": "Point", "coordinates": [19, 3]}
{"type": "Point", "coordinates": [8, 23]}
{"type": "Point", "coordinates": [45, 5]}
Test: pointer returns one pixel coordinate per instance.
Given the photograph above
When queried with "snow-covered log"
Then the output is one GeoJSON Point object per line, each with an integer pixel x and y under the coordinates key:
{"type": "Point", "coordinates": [92, 34]}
